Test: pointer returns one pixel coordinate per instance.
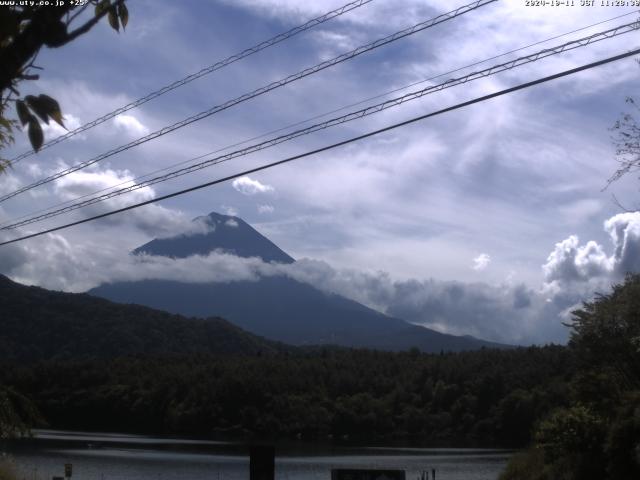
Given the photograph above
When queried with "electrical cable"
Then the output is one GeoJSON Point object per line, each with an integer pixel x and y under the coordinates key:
{"type": "Point", "coordinates": [272, 86]}
{"type": "Point", "coordinates": [619, 30]}
{"type": "Point", "coordinates": [334, 145]}
{"type": "Point", "coordinates": [205, 71]}
{"type": "Point", "coordinates": [316, 117]}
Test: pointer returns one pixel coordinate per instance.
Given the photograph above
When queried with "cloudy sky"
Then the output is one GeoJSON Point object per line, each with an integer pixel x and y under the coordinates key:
{"type": "Point", "coordinates": [490, 220]}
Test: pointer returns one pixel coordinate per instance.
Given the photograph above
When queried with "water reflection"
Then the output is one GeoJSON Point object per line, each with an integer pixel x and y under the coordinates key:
{"type": "Point", "coordinates": [135, 457]}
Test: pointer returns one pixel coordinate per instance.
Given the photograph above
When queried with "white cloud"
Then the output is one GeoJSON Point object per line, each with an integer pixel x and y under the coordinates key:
{"type": "Point", "coordinates": [481, 262]}
{"type": "Point", "coordinates": [90, 180]}
{"type": "Point", "coordinates": [506, 312]}
{"type": "Point", "coordinates": [34, 170]}
{"type": "Point", "coordinates": [332, 43]}
{"type": "Point", "coordinates": [571, 262]}
{"type": "Point", "coordinates": [229, 210]}
{"type": "Point", "coordinates": [249, 186]}
{"type": "Point", "coordinates": [266, 208]}
{"type": "Point", "coordinates": [197, 226]}
{"type": "Point", "coordinates": [338, 41]}
{"type": "Point", "coordinates": [8, 182]}
{"type": "Point", "coordinates": [624, 230]}
{"type": "Point", "coordinates": [154, 220]}
{"type": "Point", "coordinates": [131, 125]}
{"type": "Point", "coordinates": [64, 266]}
{"type": "Point", "coordinates": [370, 15]}
{"type": "Point", "coordinates": [291, 10]}
{"type": "Point", "coordinates": [231, 223]}
{"type": "Point", "coordinates": [53, 130]}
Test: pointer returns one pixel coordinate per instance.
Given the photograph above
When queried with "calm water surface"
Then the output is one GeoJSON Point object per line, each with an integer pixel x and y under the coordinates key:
{"type": "Point", "coordinates": [132, 457]}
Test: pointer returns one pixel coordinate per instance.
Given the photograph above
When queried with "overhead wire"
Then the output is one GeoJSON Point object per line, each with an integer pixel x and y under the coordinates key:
{"type": "Point", "coordinates": [394, 126]}
{"type": "Point", "coordinates": [201, 73]}
{"type": "Point", "coordinates": [315, 117]}
{"type": "Point", "coordinates": [260, 91]}
{"type": "Point", "coordinates": [492, 70]}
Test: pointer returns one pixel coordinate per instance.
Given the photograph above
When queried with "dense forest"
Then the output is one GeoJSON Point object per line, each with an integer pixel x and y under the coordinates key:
{"type": "Point", "coordinates": [489, 397]}
{"type": "Point", "coordinates": [595, 433]}
{"type": "Point", "coordinates": [577, 407]}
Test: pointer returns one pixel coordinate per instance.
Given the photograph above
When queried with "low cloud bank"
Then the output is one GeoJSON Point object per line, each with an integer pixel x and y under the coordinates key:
{"type": "Point", "coordinates": [504, 313]}
{"type": "Point", "coordinates": [511, 313]}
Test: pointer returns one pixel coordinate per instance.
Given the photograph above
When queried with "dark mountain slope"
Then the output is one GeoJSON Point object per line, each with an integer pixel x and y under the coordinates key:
{"type": "Point", "coordinates": [288, 311]}
{"type": "Point", "coordinates": [39, 324]}
{"type": "Point", "coordinates": [229, 234]}
{"type": "Point", "coordinates": [278, 307]}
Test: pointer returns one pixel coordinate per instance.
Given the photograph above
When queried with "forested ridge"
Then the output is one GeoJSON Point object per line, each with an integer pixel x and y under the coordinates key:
{"type": "Point", "coordinates": [39, 324]}
{"type": "Point", "coordinates": [577, 407]}
{"type": "Point", "coordinates": [488, 397]}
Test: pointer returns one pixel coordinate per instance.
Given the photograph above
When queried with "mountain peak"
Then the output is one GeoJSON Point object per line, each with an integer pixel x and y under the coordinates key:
{"type": "Point", "coordinates": [226, 233]}
{"type": "Point", "coordinates": [216, 218]}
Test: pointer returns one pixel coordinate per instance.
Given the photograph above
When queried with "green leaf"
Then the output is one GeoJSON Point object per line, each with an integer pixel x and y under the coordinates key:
{"type": "Point", "coordinates": [123, 13]}
{"type": "Point", "coordinates": [36, 137]}
{"type": "Point", "coordinates": [4, 164]}
{"type": "Point", "coordinates": [5, 123]}
{"type": "Point", "coordinates": [52, 107]}
{"type": "Point", "coordinates": [113, 19]}
{"type": "Point", "coordinates": [36, 105]}
{"type": "Point", "coordinates": [23, 112]}
{"type": "Point", "coordinates": [101, 7]}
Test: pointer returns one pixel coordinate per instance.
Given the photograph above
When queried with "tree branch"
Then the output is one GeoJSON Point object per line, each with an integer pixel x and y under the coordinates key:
{"type": "Point", "coordinates": [75, 15]}
{"type": "Point", "coordinates": [88, 25]}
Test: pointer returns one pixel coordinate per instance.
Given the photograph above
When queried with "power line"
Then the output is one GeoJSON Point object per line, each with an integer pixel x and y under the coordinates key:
{"type": "Point", "coordinates": [483, 98]}
{"type": "Point", "coordinates": [596, 37]}
{"type": "Point", "coordinates": [315, 117]}
{"type": "Point", "coordinates": [205, 71]}
{"type": "Point", "coordinates": [260, 91]}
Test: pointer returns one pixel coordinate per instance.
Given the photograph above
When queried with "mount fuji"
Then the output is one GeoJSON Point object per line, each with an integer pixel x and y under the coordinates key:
{"type": "Point", "coordinates": [276, 307]}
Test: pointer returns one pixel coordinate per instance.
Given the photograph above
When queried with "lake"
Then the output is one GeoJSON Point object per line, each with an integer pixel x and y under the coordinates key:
{"type": "Point", "coordinates": [102, 456]}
